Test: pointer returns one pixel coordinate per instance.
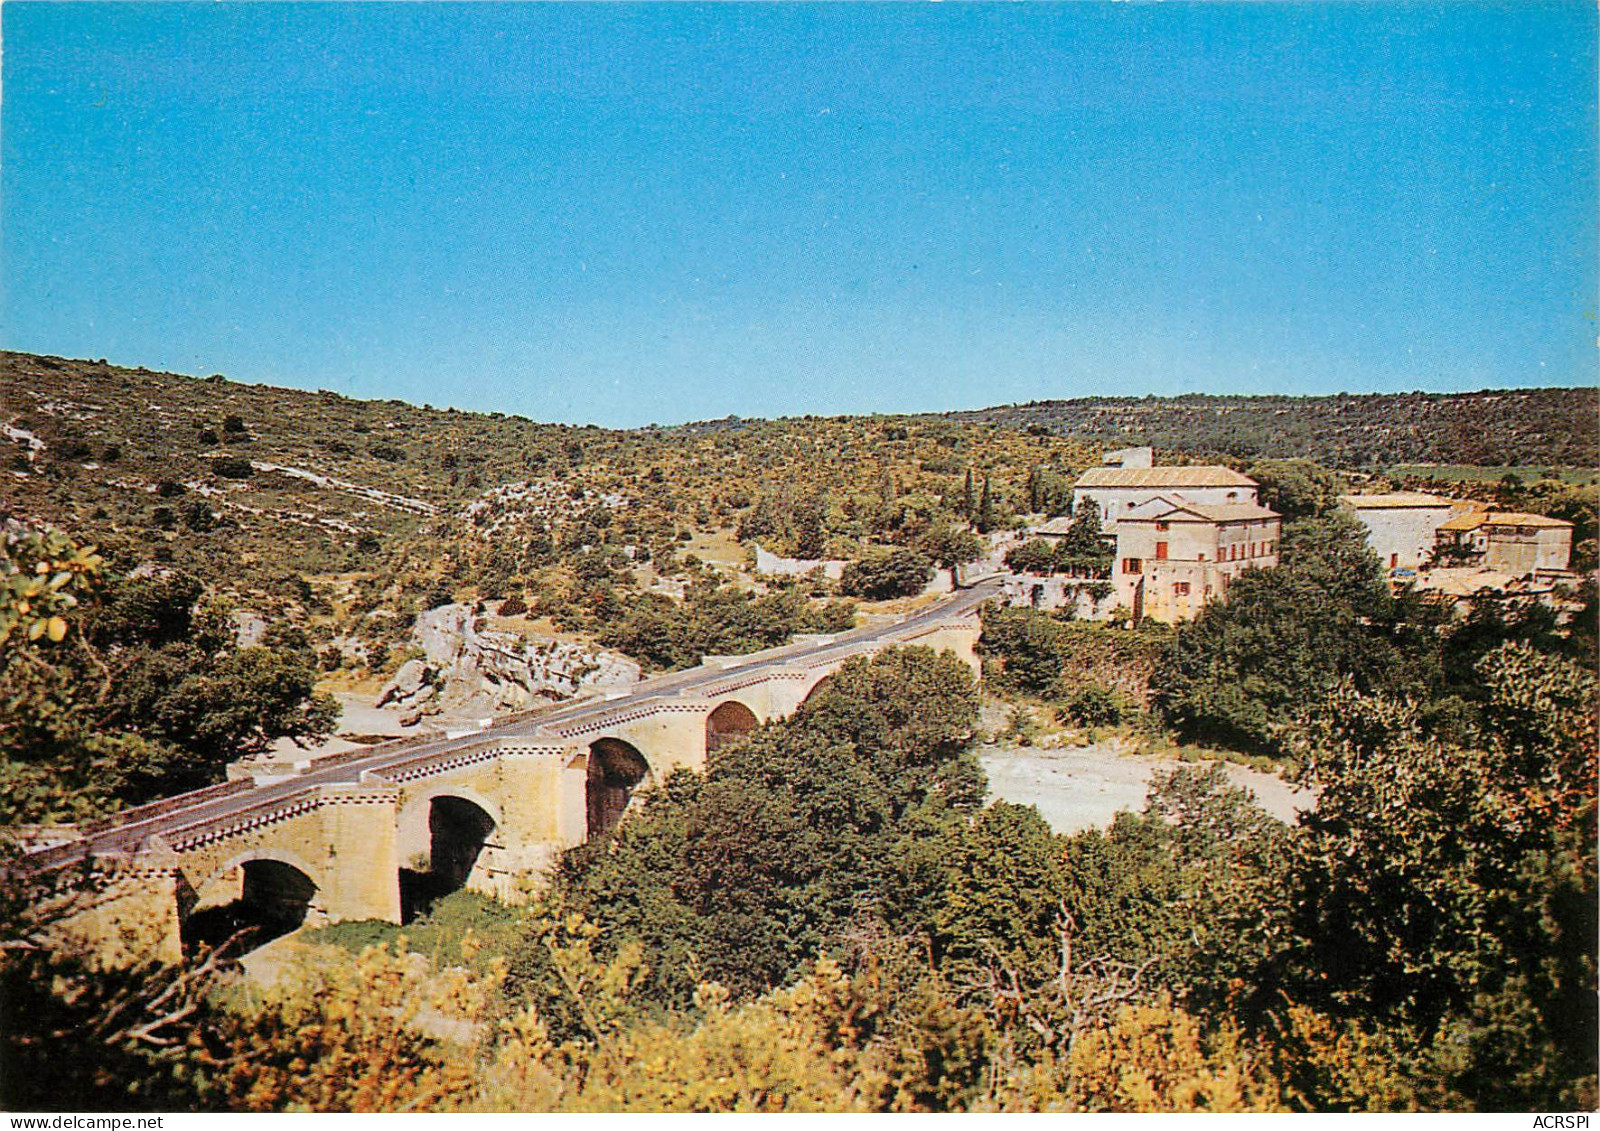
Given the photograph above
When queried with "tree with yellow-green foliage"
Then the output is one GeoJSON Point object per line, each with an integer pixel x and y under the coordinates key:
{"type": "Point", "coordinates": [117, 689]}
{"type": "Point", "coordinates": [1157, 1058]}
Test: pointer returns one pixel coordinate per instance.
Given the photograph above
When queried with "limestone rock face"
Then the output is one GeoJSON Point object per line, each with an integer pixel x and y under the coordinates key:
{"type": "Point", "coordinates": [409, 683]}
{"type": "Point", "coordinates": [443, 633]}
{"type": "Point", "coordinates": [475, 669]}
{"type": "Point", "coordinates": [249, 628]}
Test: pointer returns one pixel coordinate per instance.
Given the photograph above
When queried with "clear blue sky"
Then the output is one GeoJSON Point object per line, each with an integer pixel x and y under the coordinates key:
{"type": "Point", "coordinates": [622, 214]}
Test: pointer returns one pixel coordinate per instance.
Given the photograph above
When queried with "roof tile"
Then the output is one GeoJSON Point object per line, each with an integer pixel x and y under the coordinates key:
{"type": "Point", "coordinates": [1395, 500]}
{"type": "Point", "coordinates": [1199, 476]}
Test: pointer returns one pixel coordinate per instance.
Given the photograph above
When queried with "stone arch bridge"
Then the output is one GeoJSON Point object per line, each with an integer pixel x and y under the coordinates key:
{"type": "Point", "coordinates": [374, 833]}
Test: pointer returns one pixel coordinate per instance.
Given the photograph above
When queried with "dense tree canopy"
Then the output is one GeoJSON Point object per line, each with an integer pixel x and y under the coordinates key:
{"type": "Point", "coordinates": [714, 621]}
{"type": "Point", "coordinates": [1243, 674]}
{"type": "Point", "coordinates": [1054, 655]}
{"type": "Point", "coordinates": [1239, 674]}
{"type": "Point", "coordinates": [882, 574]}
{"type": "Point", "coordinates": [827, 919]}
{"type": "Point", "coordinates": [792, 834]}
{"type": "Point", "coordinates": [1449, 889]}
{"type": "Point", "coordinates": [133, 691]}
{"type": "Point", "coordinates": [1296, 488]}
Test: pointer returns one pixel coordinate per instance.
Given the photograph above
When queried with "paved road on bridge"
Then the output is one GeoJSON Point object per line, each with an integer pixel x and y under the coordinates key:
{"type": "Point", "coordinates": [127, 837]}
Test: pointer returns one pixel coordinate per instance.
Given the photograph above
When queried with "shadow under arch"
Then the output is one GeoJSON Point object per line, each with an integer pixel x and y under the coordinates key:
{"type": "Point", "coordinates": [274, 897]}
{"type": "Point", "coordinates": [458, 829]}
{"type": "Point", "coordinates": [728, 722]}
{"type": "Point", "coordinates": [616, 768]}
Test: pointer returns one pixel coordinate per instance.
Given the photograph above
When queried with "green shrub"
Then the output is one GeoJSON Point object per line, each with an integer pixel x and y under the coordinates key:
{"type": "Point", "coordinates": [232, 467]}
{"type": "Point", "coordinates": [1093, 706]}
{"type": "Point", "coordinates": [512, 606]}
{"type": "Point", "coordinates": [884, 574]}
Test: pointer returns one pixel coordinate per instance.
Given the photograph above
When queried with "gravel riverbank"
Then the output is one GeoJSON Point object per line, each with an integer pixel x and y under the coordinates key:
{"type": "Point", "coordinates": [1081, 787]}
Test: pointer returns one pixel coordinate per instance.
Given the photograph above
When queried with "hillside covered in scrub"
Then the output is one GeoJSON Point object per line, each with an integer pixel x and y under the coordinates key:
{"type": "Point", "coordinates": [325, 470]}
{"type": "Point", "coordinates": [350, 516]}
{"type": "Point", "coordinates": [1495, 427]}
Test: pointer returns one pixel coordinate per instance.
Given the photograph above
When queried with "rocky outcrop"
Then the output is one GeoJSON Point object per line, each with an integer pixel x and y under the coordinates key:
{"type": "Point", "coordinates": [411, 689]}
{"type": "Point", "coordinates": [469, 669]}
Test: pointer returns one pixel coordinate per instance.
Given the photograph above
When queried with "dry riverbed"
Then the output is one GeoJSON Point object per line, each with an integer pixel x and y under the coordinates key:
{"type": "Point", "coordinates": [1081, 787]}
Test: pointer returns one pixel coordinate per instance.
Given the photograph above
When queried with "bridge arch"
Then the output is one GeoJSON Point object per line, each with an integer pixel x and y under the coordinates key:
{"type": "Point", "coordinates": [266, 891]}
{"type": "Point", "coordinates": [728, 721]}
{"type": "Point", "coordinates": [440, 838]}
{"type": "Point", "coordinates": [825, 679]}
{"type": "Point", "coordinates": [413, 841]}
{"type": "Point", "coordinates": [616, 770]}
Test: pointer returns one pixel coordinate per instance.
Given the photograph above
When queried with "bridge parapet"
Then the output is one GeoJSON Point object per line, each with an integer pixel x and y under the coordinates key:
{"type": "Point", "coordinates": [139, 813]}
{"type": "Point", "coordinates": [244, 820]}
{"type": "Point", "coordinates": [614, 719]}
{"type": "Point", "coordinates": [277, 769]}
{"type": "Point", "coordinates": [442, 762]}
